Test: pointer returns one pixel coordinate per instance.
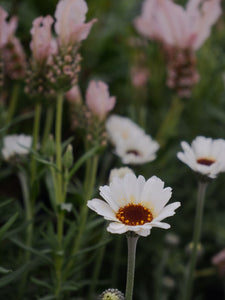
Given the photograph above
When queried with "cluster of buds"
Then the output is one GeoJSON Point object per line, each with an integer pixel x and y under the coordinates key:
{"type": "Point", "coordinates": [181, 70]}
{"type": "Point", "coordinates": [63, 70]}
{"type": "Point", "coordinates": [12, 56]}
{"type": "Point", "coordinates": [55, 62]}
{"type": "Point", "coordinates": [91, 116]}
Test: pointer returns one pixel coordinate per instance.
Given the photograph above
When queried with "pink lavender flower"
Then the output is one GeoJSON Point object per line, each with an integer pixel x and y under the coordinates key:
{"type": "Point", "coordinates": [42, 44]}
{"type": "Point", "coordinates": [12, 53]}
{"type": "Point", "coordinates": [70, 17]}
{"type": "Point", "coordinates": [181, 32]}
{"type": "Point", "coordinates": [170, 23]}
{"type": "Point", "coordinates": [3, 27]}
{"type": "Point", "coordinates": [98, 99]}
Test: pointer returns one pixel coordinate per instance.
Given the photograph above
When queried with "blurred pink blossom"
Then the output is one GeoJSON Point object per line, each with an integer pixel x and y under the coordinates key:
{"type": "Point", "coordinates": [139, 76]}
{"type": "Point", "coordinates": [218, 260]}
{"type": "Point", "coordinates": [74, 95]}
{"type": "Point", "coordinates": [181, 32]}
{"type": "Point", "coordinates": [12, 52]}
{"type": "Point", "coordinates": [98, 99]}
{"type": "Point", "coordinates": [3, 27]}
{"type": "Point", "coordinates": [42, 45]}
{"type": "Point", "coordinates": [70, 17]}
{"type": "Point", "coordinates": [171, 24]}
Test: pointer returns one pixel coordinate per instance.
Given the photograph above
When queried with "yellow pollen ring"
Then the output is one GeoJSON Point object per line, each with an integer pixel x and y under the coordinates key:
{"type": "Point", "coordinates": [134, 214]}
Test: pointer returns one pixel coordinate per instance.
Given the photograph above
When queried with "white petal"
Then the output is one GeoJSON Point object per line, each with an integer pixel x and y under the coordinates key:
{"type": "Point", "coordinates": [102, 208]}
{"type": "Point", "coordinates": [116, 227]}
{"type": "Point", "coordinates": [167, 211]}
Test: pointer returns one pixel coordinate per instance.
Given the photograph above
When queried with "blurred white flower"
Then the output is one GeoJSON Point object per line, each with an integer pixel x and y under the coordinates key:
{"type": "Point", "coordinates": [16, 145]}
{"type": "Point", "coordinates": [131, 143]}
{"type": "Point", "coordinates": [205, 156]}
{"type": "Point", "coordinates": [121, 128]}
{"type": "Point", "coordinates": [134, 204]}
{"type": "Point", "coordinates": [137, 149]}
{"type": "Point", "coordinates": [120, 172]}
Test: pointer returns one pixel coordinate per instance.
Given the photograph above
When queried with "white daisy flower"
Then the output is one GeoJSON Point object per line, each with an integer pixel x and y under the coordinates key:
{"type": "Point", "coordinates": [131, 143]}
{"type": "Point", "coordinates": [137, 149]}
{"type": "Point", "coordinates": [119, 172]}
{"type": "Point", "coordinates": [205, 156]}
{"type": "Point", "coordinates": [121, 128]}
{"type": "Point", "coordinates": [16, 145]}
{"type": "Point", "coordinates": [133, 204]}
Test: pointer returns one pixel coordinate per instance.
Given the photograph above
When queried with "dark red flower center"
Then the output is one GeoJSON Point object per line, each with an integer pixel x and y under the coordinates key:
{"type": "Point", "coordinates": [132, 151]}
{"type": "Point", "coordinates": [134, 214]}
{"type": "Point", "coordinates": [205, 161]}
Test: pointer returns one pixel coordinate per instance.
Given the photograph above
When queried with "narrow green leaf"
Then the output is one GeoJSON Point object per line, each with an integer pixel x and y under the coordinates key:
{"type": "Point", "coordinates": [14, 275]}
{"type": "Point", "coordinates": [6, 202]}
{"type": "Point", "coordinates": [38, 253]}
{"type": "Point", "coordinates": [48, 297]}
{"type": "Point", "coordinates": [8, 224]}
{"type": "Point", "coordinates": [82, 160]}
{"type": "Point", "coordinates": [4, 270]}
{"type": "Point", "coordinates": [41, 283]}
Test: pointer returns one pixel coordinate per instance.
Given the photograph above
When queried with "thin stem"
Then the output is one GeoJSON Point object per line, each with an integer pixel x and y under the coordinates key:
{"type": "Point", "coordinates": [91, 169]}
{"type": "Point", "coordinates": [13, 103]}
{"type": "Point", "coordinates": [169, 125]}
{"type": "Point", "coordinates": [58, 138]}
{"type": "Point", "coordinates": [36, 129]}
{"type": "Point", "coordinates": [131, 245]}
{"type": "Point", "coordinates": [29, 220]}
{"type": "Point", "coordinates": [48, 125]}
{"type": "Point", "coordinates": [59, 195]}
{"type": "Point", "coordinates": [196, 238]}
{"type": "Point", "coordinates": [97, 266]}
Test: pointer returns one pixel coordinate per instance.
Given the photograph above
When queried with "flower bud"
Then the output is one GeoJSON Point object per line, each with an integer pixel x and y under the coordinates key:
{"type": "Point", "coordinates": [68, 157]}
{"type": "Point", "coordinates": [111, 294]}
{"type": "Point", "coordinates": [49, 148]}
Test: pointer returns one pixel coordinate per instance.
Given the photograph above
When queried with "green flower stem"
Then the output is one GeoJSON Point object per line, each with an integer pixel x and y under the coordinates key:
{"type": "Point", "coordinates": [48, 125]}
{"type": "Point", "coordinates": [97, 266]}
{"type": "Point", "coordinates": [58, 139]}
{"type": "Point", "coordinates": [169, 124]}
{"type": "Point", "coordinates": [59, 195]}
{"type": "Point", "coordinates": [91, 170]}
{"type": "Point", "coordinates": [196, 238]}
{"type": "Point", "coordinates": [29, 220]}
{"type": "Point", "coordinates": [13, 102]}
{"type": "Point", "coordinates": [132, 239]}
{"type": "Point", "coordinates": [160, 272]}
{"type": "Point", "coordinates": [36, 130]}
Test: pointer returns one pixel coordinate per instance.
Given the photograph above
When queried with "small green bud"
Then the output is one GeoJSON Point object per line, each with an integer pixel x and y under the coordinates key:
{"type": "Point", "coordinates": [68, 157]}
{"type": "Point", "coordinates": [49, 148]}
{"type": "Point", "coordinates": [111, 294]}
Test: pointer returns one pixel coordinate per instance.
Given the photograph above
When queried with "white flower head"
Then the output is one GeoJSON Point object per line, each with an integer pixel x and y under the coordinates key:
{"type": "Point", "coordinates": [137, 149]}
{"type": "Point", "coordinates": [121, 128]}
{"type": "Point", "coordinates": [134, 204]}
{"type": "Point", "coordinates": [131, 143]}
{"type": "Point", "coordinates": [16, 145]}
{"type": "Point", "coordinates": [205, 156]}
{"type": "Point", "coordinates": [120, 172]}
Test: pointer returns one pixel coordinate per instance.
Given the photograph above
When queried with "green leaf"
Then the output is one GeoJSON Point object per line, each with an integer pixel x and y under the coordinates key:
{"type": "Point", "coordinates": [82, 160]}
{"type": "Point", "coordinates": [8, 224]}
{"type": "Point", "coordinates": [4, 270]}
{"type": "Point", "coordinates": [48, 297]}
{"type": "Point", "coordinates": [14, 275]}
{"type": "Point", "coordinates": [41, 283]}
{"type": "Point", "coordinates": [6, 202]}
{"type": "Point", "coordinates": [38, 253]}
